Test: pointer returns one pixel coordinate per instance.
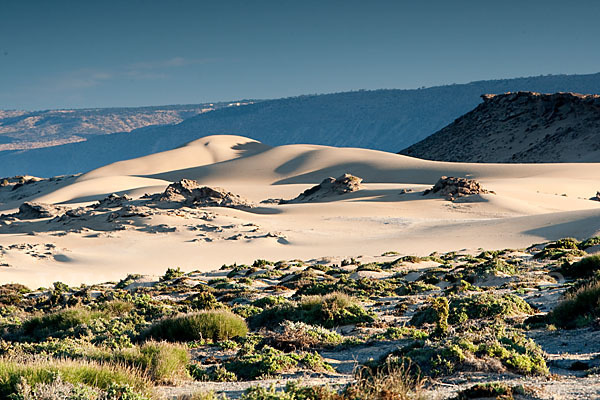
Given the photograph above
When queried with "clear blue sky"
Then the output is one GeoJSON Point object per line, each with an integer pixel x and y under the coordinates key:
{"type": "Point", "coordinates": [60, 54]}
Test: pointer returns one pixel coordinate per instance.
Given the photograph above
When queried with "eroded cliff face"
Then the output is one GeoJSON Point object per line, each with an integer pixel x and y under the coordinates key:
{"type": "Point", "coordinates": [521, 127]}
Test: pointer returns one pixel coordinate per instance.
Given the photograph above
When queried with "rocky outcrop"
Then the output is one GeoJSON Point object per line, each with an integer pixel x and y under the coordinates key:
{"type": "Point", "coordinates": [329, 187]}
{"type": "Point", "coordinates": [521, 127]}
{"type": "Point", "coordinates": [29, 210]}
{"type": "Point", "coordinates": [452, 188]}
{"type": "Point", "coordinates": [129, 211]}
{"type": "Point", "coordinates": [112, 201]}
{"type": "Point", "coordinates": [596, 197]}
{"type": "Point", "coordinates": [189, 193]}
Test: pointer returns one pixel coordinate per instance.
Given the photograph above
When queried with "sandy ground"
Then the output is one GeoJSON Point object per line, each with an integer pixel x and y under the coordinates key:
{"type": "Point", "coordinates": [531, 204]}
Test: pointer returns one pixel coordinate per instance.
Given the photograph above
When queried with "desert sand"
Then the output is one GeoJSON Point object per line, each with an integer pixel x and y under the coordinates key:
{"type": "Point", "coordinates": [531, 203]}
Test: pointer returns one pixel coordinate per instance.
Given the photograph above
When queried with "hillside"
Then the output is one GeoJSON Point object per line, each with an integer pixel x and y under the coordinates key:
{"type": "Point", "coordinates": [35, 129]}
{"type": "Point", "coordinates": [383, 120]}
{"type": "Point", "coordinates": [521, 127]}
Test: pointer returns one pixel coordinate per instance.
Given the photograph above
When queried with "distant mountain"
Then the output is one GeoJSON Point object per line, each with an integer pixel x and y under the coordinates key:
{"type": "Point", "coordinates": [381, 119]}
{"type": "Point", "coordinates": [35, 129]}
{"type": "Point", "coordinates": [520, 127]}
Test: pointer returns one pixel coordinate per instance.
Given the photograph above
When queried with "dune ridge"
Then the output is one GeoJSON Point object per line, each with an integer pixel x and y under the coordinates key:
{"type": "Point", "coordinates": [530, 204]}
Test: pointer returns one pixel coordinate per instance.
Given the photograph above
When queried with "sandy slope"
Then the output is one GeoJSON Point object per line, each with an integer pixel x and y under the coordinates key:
{"type": "Point", "coordinates": [528, 207]}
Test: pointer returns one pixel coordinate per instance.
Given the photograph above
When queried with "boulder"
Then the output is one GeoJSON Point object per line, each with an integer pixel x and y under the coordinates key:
{"type": "Point", "coordinates": [452, 188]}
{"type": "Point", "coordinates": [190, 193]}
{"type": "Point", "coordinates": [29, 210]}
{"type": "Point", "coordinates": [597, 197]}
{"type": "Point", "coordinates": [329, 187]}
{"type": "Point", "coordinates": [112, 201]}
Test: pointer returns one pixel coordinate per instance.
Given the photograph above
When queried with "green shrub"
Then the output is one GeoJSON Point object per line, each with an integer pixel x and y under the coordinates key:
{"type": "Point", "coordinates": [487, 390]}
{"type": "Point", "coordinates": [123, 283]}
{"type": "Point", "coordinates": [269, 301]}
{"type": "Point", "coordinates": [487, 306]}
{"type": "Point", "coordinates": [579, 308]}
{"type": "Point", "coordinates": [583, 268]}
{"type": "Point", "coordinates": [333, 309]}
{"type": "Point", "coordinates": [291, 336]}
{"type": "Point", "coordinates": [214, 325]}
{"type": "Point", "coordinates": [204, 301]}
{"type": "Point", "coordinates": [163, 362]}
{"type": "Point", "coordinates": [117, 307]}
{"type": "Point", "coordinates": [565, 243]}
{"type": "Point", "coordinates": [270, 361]}
{"type": "Point", "coordinates": [398, 333]}
{"type": "Point", "coordinates": [567, 247]}
{"type": "Point", "coordinates": [211, 374]}
{"type": "Point", "coordinates": [442, 309]}
{"type": "Point", "coordinates": [292, 391]}
{"type": "Point", "coordinates": [171, 273]}
{"type": "Point", "coordinates": [12, 293]}
{"type": "Point", "coordinates": [595, 241]}
{"type": "Point", "coordinates": [40, 371]}
{"type": "Point", "coordinates": [58, 323]}
{"type": "Point", "coordinates": [478, 306]}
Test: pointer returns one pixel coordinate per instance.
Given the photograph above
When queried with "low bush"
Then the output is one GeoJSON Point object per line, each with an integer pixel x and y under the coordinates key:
{"type": "Point", "coordinates": [162, 362]}
{"type": "Point", "coordinates": [331, 310]}
{"type": "Point", "coordinates": [171, 273]}
{"type": "Point", "coordinates": [472, 351]}
{"type": "Point", "coordinates": [213, 325]}
{"type": "Point", "coordinates": [60, 390]}
{"type": "Point", "coordinates": [583, 268]}
{"type": "Point", "coordinates": [580, 307]}
{"type": "Point", "coordinates": [479, 306]}
{"type": "Point", "coordinates": [270, 361]}
{"type": "Point", "coordinates": [292, 391]}
{"type": "Point", "coordinates": [58, 323]}
{"type": "Point", "coordinates": [567, 247]}
{"type": "Point", "coordinates": [494, 390]}
{"type": "Point", "coordinates": [393, 381]}
{"type": "Point", "coordinates": [45, 371]}
{"type": "Point", "coordinates": [594, 241]}
{"type": "Point", "coordinates": [292, 336]}
{"type": "Point", "coordinates": [204, 301]}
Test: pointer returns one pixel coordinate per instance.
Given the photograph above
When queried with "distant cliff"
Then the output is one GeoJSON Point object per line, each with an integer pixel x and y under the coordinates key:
{"type": "Point", "coordinates": [522, 127]}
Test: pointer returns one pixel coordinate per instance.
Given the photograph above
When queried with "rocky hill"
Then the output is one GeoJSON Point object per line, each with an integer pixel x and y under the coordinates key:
{"type": "Point", "coordinates": [522, 127]}
{"type": "Point", "coordinates": [380, 119]}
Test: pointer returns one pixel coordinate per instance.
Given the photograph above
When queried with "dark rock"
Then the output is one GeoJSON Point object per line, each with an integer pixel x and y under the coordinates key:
{"type": "Point", "coordinates": [452, 188]}
{"type": "Point", "coordinates": [189, 193]}
{"type": "Point", "coordinates": [329, 187]}
{"type": "Point", "coordinates": [29, 210]}
{"type": "Point", "coordinates": [114, 200]}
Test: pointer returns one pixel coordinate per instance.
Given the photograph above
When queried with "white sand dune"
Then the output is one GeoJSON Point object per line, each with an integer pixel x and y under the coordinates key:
{"type": "Point", "coordinates": [533, 203]}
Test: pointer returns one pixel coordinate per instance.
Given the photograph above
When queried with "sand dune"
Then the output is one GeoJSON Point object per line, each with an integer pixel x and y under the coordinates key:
{"type": "Point", "coordinates": [532, 203]}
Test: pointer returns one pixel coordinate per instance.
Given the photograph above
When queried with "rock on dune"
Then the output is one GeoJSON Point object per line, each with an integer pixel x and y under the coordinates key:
{"type": "Point", "coordinates": [29, 210]}
{"type": "Point", "coordinates": [452, 188]}
{"type": "Point", "coordinates": [597, 197]}
{"type": "Point", "coordinates": [189, 193]}
{"type": "Point", "coordinates": [111, 201]}
{"type": "Point", "coordinates": [329, 187]}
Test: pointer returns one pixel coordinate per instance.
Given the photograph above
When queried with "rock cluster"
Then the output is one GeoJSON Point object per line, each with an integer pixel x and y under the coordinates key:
{"type": "Point", "coordinates": [329, 187]}
{"type": "Point", "coordinates": [452, 187]}
{"type": "Point", "coordinates": [597, 197]}
{"type": "Point", "coordinates": [189, 193]}
{"type": "Point", "coordinates": [112, 201]}
{"type": "Point", "coordinates": [29, 210]}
